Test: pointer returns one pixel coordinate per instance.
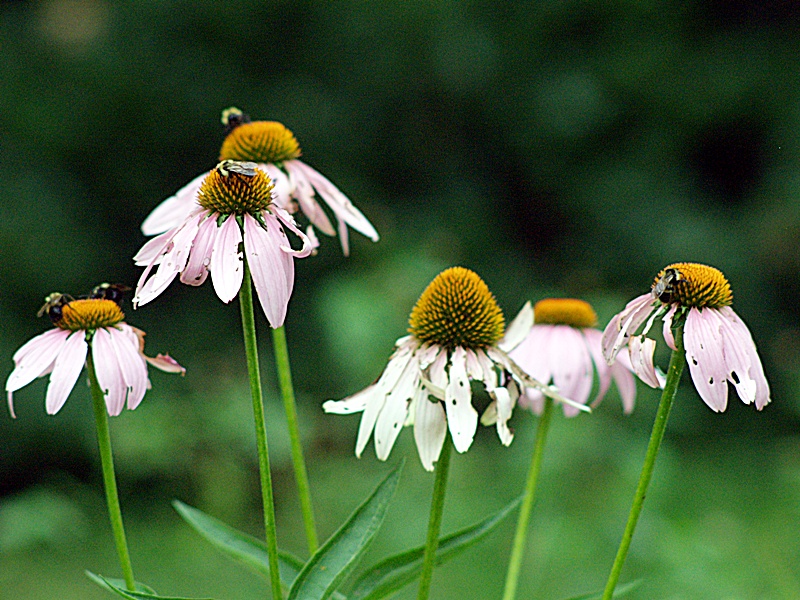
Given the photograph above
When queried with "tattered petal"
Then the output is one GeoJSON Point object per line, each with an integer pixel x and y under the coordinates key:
{"type": "Point", "coordinates": [625, 324]}
{"type": "Point", "coordinates": [304, 192]}
{"type": "Point", "coordinates": [109, 373]}
{"type": "Point", "coordinates": [196, 270]}
{"type": "Point", "coordinates": [704, 355]}
{"type": "Point", "coordinates": [518, 329]}
{"type": "Point", "coordinates": [172, 211]}
{"type": "Point", "coordinates": [462, 417]}
{"type": "Point", "coordinates": [430, 429]}
{"type": "Point", "coordinates": [504, 407]}
{"type": "Point", "coordinates": [227, 270]}
{"type": "Point", "coordinates": [641, 355]}
{"type": "Point", "coordinates": [395, 410]}
{"type": "Point", "coordinates": [746, 340]}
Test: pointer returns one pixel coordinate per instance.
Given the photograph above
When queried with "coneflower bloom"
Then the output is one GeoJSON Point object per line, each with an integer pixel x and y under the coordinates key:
{"type": "Point", "coordinates": [719, 347]}
{"type": "Point", "coordinates": [84, 325]}
{"type": "Point", "coordinates": [564, 348]}
{"type": "Point", "coordinates": [276, 151]}
{"type": "Point", "coordinates": [234, 215]}
{"type": "Point", "coordinates": [456, 336]}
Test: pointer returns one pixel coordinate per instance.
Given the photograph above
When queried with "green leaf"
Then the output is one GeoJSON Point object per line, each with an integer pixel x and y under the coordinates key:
{"type": "Point", "coordinates": [618, 593]}
{"type": "Point", "coordinates": [394, 572]}
{"type": "Point", "coordinates": [337, 557]}
{"type": "Point", "coordinates": [143, 592]}
{"type": "Point", "coordinates": [238, 545]}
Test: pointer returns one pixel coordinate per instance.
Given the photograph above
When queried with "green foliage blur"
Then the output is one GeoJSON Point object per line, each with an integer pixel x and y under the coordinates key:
{"type": "Point", "coordinates": [558, 148]}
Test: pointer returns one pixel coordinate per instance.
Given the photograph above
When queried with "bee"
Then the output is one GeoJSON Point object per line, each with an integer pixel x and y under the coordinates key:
{"type": "Point", "coordinates": [237, 168]}
{"type": "Point", "coordinates": [110, 291]}
{"type": "Point", "coordinates": [53, 305]}
{"type": "Point", "coordinates": [665, 286]}
{"type": "Point", "coordinates": [233, 117]}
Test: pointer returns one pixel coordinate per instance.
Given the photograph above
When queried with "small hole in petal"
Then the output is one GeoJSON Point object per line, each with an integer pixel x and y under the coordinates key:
{"type": "Point", "coordinates": [454, 401]}
{"type": "Point", "coordinates": [694, 360]}
{"type": "Point", "coordinates": [711, 381]}
{"type": "Point", "coordinates": [734, 377]}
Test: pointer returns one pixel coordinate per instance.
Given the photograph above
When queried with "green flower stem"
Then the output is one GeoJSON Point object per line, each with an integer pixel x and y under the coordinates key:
{"type": "Point", "coordinates": [109, 479]}
{"type": "Point", "coordinates": [289, 405]}
{"type": "Point", "coordinates": [435, 520]}
{"type": "Point", "coordinates": [520, 537]}
{"type": "Point", "coordinates": [249, 330]}
{"type": "Point", "coordinates": [676, 363]}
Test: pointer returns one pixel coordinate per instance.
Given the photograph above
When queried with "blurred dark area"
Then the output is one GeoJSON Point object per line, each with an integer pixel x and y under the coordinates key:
{"type": "Point", "coordinates": [562, 148]}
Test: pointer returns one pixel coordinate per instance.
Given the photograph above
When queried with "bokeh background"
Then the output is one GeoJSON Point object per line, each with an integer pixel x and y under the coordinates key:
{"type": "Point", "coordinates": [556, 148]}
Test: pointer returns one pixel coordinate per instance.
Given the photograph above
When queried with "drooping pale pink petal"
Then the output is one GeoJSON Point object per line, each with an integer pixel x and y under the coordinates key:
{"type": "Point", "coordinates": [170, 262]}
{"type": "Point", "coordinates": [344, 237]}
{"type": "Point", "coordinates": [641, 351]}
{"type": "Point", "coordinates": [153, 250]}
{"type": "Point", "coordinates": [132, 364]}
{"type": "Point", "coordinates": [272, 269]}
{"type": "Point", "coordinates": [705, 357]}
{"type": "Point", "coordinates": [518, 329]}
{"type": "Point", "coordinates": [336, 200]}
{"type": "Point", "coordinates": [571, 364]}
{"type": "Point", "coordinates": [504, 407]}
{"type": "Point", "coordinates": [533, 353]}
{"type": "Point", "coordinates": [744, 338]}
{"type": "Point", "coordinates": [667, 328]}
{"type": "Point", "coordinates": [594, 344]}
{"type": "Point", "coordinates": [430, 429]}
{"type": "Point", "coordinates": [622, 373]}
{"type": "Point", "coordinates": [304, 192]}
{"type": "Point", "coordinates": [66, 370]}
{"type": "Point", "coordinates": [227, 270]}
{"type": "Point", "coordinates": [736, 358]}
{"type": "Point", "coordinates": [172, 211]}
{"type": "Point", "coordinates": [36, 358]}
{"type": "Point", "coordinates": [625, 324]}
{"type": "Point", "coordinates": [109, 374]}
{"type": "Point", "coordinates": [462, 418]}
{"type": "Point", "coordinates": [196, 270]}
{"type": "Point", "coordinates": [395, 409]}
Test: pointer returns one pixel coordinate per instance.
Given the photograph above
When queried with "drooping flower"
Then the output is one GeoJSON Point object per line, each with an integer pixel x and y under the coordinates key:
{"type": "Point", "coordinates": [719, 347]}
{"type": "Point", "coordinates": [90, 324]}
{"type": "Point", "coordinates": [235, 219]}
{"type": "Point", "coordinates": [276, 151]}
{"type": "Point", "coordinates": [563, 347]}
{"type": "Point", "coordinates": [457, 335]}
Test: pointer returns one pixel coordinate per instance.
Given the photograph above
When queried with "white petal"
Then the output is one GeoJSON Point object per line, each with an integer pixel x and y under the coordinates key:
{"type": "Point", "coordinates": [395, 409]}
{"type": "Point", "coordinates": [430, 429]}
{"type": "Point", "coordinates": [66, 370]}
{"type": "Point", "coordinates": [35, 358]}
{"type": "Point", "coordinates": [641, 355]}
{"type": "Point", "coordinates": [518, 329]}
{"type": "Point", "coordinates": [172, 211]}
{"type": "Point", "coordinates": [282, 190]}
{"type": "Point", "coordinates": [227, 270]}
{"type": "Point", "coordinates": [504, 407]}
{"type": "Point", "coordinates": [462, 417]}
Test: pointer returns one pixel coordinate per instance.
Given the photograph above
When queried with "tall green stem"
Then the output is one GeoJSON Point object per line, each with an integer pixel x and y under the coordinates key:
{"type": "Point", "coordinates": [676, 363]}
{"type": "Point", "coordinates": [290, 406]}
{"type": "Point", "coordinates": [435, 520]}
{"type": "Point", "coordinates": [109, 479]}
{"type": "Point", "coordinates": [520, 537]}
{"type": "Point", "coordinates": [251, 350]}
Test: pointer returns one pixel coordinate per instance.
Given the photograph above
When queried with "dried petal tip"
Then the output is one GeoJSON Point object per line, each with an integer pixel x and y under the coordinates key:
{"type": "Point", "coordinates": [692, 285]}
{"type": "Point", "coordinates": [259, 141]}
{"type": "Point", "coordinates": [457, 309]}
{"type": "Point", "coordinates": [90, 313]}
{"type": "Point", "coordinates": [236, 187]}
{"type": "Point", "coordinates": [564, 311]}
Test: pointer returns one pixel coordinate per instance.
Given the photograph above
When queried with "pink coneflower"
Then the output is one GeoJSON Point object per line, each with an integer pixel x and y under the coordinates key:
{"type": "Point", "coordinates": [719, 347]}
{"type": "Point", "coordinates": [564, 348]}
{"type": "Point", "coordinates": [456, 336]}
{"type": "Point", "coordinates": [117, 352]}
{"type": "Point", "coordinates": [235, 213]}
{"type": "Point", "coordinates": [276, 151]}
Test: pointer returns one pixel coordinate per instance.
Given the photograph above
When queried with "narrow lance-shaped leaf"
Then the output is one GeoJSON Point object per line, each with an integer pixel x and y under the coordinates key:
{"type": "Point", "coordinates": [238, 545]}
{"type": "Point", "coordinates": [337, 557]}
{"type": "Point", "coordinates": [394, 572]}
{"type": "Point", "coordinates": [117, 586]}
{"type": "Point", "coordinates": [618, 593]}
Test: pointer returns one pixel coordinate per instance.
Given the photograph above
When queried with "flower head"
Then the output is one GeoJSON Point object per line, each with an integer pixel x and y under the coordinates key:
{"type": "Point", "coordinates": [276, 151]}
{"type": "Point", "coordinates": [563, 347]}
{"type": "Point", "coordinates": [457, 335]}
{"type": "Point", "coordinates": [719, 347]}
{"type": "Point", "coordinates": [94, 323]}
{"type": "Point", "coordinates": [234, 216]}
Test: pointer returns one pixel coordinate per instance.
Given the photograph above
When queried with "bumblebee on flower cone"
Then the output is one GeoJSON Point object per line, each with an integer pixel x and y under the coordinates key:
{"type": "Point", "coordinates": [235, 219]}
{"type": "Point", "coordinates": [275, 150]}
{"type": "Point", "coordinates": [719, 347]}
{"type": "Point", "coordinates": [81, 326]}
{"type": "Point", "coordinates": [457, 335]}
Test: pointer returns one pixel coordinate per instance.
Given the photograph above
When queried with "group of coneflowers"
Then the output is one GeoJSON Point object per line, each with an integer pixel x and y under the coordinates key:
{"type": "Point", "coordinates": [237, 224]}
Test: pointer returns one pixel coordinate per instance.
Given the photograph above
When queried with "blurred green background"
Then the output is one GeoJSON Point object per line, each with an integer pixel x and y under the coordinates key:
{"type": "Point", "coordinates": [556, 148]}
